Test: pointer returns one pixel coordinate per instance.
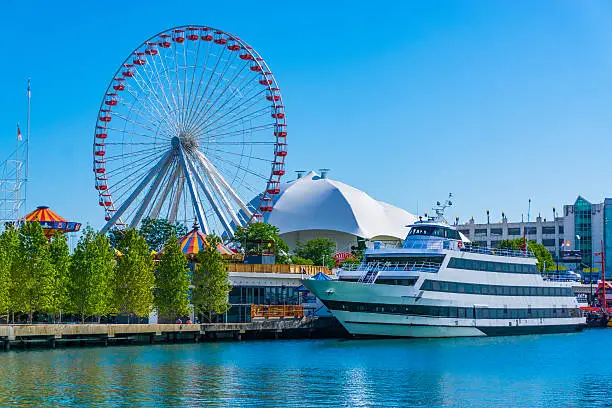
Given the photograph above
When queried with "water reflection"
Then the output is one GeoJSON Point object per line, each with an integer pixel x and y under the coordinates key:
{"type": "Point", "coordinates": [531, 371]}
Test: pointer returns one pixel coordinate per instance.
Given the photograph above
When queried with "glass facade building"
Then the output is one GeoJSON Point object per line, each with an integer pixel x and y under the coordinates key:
{"type": "Point", "coordinates": [608, 233]}
{"type": "Point", "coordinates": [584, 230]}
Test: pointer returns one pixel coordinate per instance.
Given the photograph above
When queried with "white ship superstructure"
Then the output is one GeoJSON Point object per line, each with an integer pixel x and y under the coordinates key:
{"type": "Point", "coordinates": [436, 284]}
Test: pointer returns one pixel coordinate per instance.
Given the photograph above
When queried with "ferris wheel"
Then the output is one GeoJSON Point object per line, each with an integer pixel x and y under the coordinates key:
{"type": "Point", "coordinates": [192, 126]}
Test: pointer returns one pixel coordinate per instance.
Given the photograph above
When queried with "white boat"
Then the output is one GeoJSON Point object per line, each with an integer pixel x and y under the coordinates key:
{"type": "Point", "coordinates": [437, 284]}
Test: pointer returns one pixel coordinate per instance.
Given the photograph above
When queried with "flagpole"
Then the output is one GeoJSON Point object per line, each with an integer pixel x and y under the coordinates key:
{"type": "Point", "coordinates": [27, 152]}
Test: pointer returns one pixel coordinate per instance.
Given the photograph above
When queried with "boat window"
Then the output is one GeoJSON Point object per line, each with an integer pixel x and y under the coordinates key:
{"type": "Point", "coordinates": [497, 290]}
{"type": "Point", "coordinates": [401, 282]}
{"type": "Point", "coordinates": [489, 266]}
{"type": "Point", "coordinates": [429, 230]}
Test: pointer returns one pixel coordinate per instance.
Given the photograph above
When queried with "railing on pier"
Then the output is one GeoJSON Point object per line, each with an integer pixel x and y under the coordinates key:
{"type": "Point", "coordinates": [277, 311]}
{"type": "Point", "coordinates": [279, 268]}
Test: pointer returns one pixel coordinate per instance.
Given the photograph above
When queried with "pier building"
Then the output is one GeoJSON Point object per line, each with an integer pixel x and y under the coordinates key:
{"type": "Point", "coordinates": [315, 206]}
{"type": "Point", "coordinates": [582, 226]}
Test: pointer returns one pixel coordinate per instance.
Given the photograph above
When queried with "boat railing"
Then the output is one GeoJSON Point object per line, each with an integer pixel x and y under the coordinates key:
{"type": "Point", "coordinates": [393, 266]}
{"type": "Point", "coordinates": [560, 278]}
{"type": "Point", "coordinates": [519, 253]}
{"type": "Point", "coordinates": [440, 244]}
{"type": "Point", "coordinates": [385, 244]}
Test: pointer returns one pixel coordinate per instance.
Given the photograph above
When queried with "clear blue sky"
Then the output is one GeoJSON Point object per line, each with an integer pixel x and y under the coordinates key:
{"type": "Point", "coordinates": [496, 101]}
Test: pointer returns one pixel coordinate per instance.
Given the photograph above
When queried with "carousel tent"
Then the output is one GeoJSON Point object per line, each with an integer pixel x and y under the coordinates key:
{"type": "Point", "coordinates": [195, 241]}
{"type": "Point", "coordinates": [50, 222]}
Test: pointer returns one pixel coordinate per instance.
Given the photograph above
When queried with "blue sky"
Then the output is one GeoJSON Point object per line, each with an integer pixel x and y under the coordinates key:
{"type": "Point", "coordinates": [496, 101]}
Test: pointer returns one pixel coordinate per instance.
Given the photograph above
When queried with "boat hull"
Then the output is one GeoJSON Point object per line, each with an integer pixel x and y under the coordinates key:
{"type": "Point", "coordinates": [337, 294]}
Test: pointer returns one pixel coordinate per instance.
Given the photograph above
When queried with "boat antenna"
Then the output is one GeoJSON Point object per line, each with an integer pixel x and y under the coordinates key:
{"type": "Point", "coordinates": [440, 207]}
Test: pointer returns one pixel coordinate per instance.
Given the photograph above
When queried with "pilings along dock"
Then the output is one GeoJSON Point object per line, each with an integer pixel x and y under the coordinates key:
{"type": "Point", "coordinates": [25, 336]}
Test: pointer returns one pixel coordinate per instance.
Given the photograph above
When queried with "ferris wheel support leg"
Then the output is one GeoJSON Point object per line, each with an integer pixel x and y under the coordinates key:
{"type": "Point", "coordinates": [162, 199]}
{"type": "Point", "coordinates": [194, 193]}
{"type": "Point", "coordinates": [219, 191]}
{"type": "Point", "coordinates": [136, 192]}
{"type": "Point", "coordinates": [147, 199]}
{"type": "Point", "coordinates": [219, 211]}
{"type": "Point", "coordinates": [226, 185]}
{"type": "Point", "coordinates": [177, 201]}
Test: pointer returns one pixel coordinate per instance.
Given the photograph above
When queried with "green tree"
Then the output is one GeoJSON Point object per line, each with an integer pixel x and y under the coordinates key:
{"type": "Point", "coordinates": [250, 237]}
{"type": "Point", "coordinates": [9, 241]}
{"type": "Point", "coordinates": [296, 260]}
{"type": "Point", "coordinates": [91, 276]}
{"type": "Point", "coordinates": [135, 277]}
{"type": "Point", "coordinates": [157, 232]}
{"type": "Point", "coordinates": [211, 282]}
{"type": "Point", "coordinates": [60, 259]}
{"type": "Point", "coordinates": [172, 282]}
{"type": "Point", "coordinates": [544, 257]}
{"type": "Point", "coordinates": [33, 274]}
{"type": "Point", "coordinates": [318, 250]}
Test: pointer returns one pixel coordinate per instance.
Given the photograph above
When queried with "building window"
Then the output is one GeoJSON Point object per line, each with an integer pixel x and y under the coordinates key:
{"type": "Point", "coordinates": [531, 230]}
{"type": "Point", "coordinates": [495, 244]}
{"type": "Point", "coordinates": [549, 242]}
{"type": "Point", "coordinates": [480, 231]}
{"type": "Point", "coordinates": [496, 231]}
{"type": "Point", "coordinates": [465, 232]}
{"type": "Point", "coordinates": [561, 229]}
{"type": "Point", "coordinates": [548, 230]}
{"type": "Point", "coordinates": [514, 231]}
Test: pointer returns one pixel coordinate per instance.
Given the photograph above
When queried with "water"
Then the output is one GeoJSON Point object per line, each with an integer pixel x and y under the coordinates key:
{"type": "Point", "coordinates": [526, 371]}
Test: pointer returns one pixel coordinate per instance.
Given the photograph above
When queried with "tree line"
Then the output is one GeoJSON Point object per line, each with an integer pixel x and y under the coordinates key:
{"type": "Point", "coordinates": [106, 276]}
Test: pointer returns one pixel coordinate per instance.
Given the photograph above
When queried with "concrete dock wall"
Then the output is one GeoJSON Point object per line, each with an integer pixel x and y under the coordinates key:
{"type": "Point", "coordinates": [24, 336]}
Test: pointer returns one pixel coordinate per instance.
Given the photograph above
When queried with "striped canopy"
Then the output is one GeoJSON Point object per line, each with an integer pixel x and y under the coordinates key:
{"type": "Point", "coordinates": [195, 241]}
{"type": "Point", "coordinates": [50, 221]}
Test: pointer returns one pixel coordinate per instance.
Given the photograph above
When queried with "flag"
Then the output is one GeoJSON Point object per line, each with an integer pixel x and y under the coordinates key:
{"type": "Point", "coordinates": [18, 132]}
{"type": "Point", "coordinates": [29, 92]}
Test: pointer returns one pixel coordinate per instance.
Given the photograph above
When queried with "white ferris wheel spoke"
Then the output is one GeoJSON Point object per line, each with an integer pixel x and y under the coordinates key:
{"type": "Point", "coordinates": [193, 191]}
{"type": "Point", "coordinates": [135, 193]}
{"type": "Point", "coordinates": [213, 202]}
{"type": "Point", "coordinates": [169, 185]}
{"type": "Point", "coordinates": [161, 172]}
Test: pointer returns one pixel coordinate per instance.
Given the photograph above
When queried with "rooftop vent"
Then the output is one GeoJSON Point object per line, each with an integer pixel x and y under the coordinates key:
{"type": "Point", "coordinates": [323, 173]}
{"type": "Point", "coordinates": [300, 173]}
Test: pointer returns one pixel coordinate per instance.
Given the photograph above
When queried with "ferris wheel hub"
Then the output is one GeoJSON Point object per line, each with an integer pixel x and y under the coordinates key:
{"type": "Point", "coordinates": [176, 142]}
{"type": "Point", "coordinates": [188, 141]}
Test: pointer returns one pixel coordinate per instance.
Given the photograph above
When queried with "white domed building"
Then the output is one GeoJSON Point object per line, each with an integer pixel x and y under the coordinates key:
{"type": "Point", "coordinates": [314, 206]}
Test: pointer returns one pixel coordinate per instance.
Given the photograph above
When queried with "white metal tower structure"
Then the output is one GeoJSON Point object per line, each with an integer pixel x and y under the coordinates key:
{"type": "Point", "coordinates": [14, 176]}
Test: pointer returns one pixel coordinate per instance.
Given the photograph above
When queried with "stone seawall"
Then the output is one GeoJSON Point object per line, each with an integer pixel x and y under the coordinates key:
{"type": "Point", "coordinates": [25, 336]}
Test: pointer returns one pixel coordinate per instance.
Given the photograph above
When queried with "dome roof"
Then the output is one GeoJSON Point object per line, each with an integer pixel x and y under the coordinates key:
{"type": "Point", "coordinates": [315, 203]}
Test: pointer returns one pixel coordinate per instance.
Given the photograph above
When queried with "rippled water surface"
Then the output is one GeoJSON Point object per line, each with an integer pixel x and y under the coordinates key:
{"type": "Point", "coordinates": [527, 371]}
